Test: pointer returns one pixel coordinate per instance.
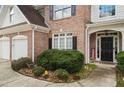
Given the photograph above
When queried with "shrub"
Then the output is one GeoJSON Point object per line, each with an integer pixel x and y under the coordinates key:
{"type": "Point", "coordinates": [120, 60]}
{"type": "Point", "coordinates": [38, 71]}
{"type": "Point", "coordinates": [62, 74]}
{"type": "Point", "coordinates": [21, 63]}
{"type": "Point", "coordinates": [69, 60]}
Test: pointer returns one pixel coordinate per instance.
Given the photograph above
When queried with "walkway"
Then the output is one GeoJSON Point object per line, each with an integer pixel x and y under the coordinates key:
{"type": "Point", "coordinates": [103, 76]}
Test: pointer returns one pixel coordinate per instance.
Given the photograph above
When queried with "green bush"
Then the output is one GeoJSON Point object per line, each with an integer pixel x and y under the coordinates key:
{"type": "Point", "coordinates": [62, 74]}
{"type": "Point", "coordinates": [70, 60]}
{"type": "Point", "coordinates": [38, 71]}
{"type": "Point", "coordinates": [120, 60]}
{"type": "Point", "coordinates": [21, 63]}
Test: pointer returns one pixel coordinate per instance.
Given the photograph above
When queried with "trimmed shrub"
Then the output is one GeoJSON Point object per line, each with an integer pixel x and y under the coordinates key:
{"type": "Point", "coordinates": [69, 60]}
{"type": "Point", "coordinates": [38, 71]}
{"type": "Point", "coordinates": [62, 74]}
{"type": "Point", "coordinates": [120, 60]}
{"type": "Point", "coordinates": [21, 63]}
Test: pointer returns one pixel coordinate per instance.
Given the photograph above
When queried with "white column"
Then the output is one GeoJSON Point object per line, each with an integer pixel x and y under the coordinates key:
{"type": "Point", "coordinates": [86, 46]}
{"type": "Point", "coordinates": [33, 45]}
{"type": "Point", "coordinates": [122, 41]}
{"type": "Point", "coordinates": [88, 49]}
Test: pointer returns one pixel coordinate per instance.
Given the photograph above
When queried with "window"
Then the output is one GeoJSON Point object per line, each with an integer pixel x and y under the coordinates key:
{"type": "Point", "coordinates": [62, 41]}
{"type": "Point", "coordinates": [61, 11]}
{"type": "Point", "coordinates": [11, 14]}
{"type": "Point", "coordinates": [106, 10]}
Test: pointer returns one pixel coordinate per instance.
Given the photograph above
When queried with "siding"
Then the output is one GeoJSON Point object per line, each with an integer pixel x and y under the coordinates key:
{"type": "Point", "coordinates": [95, 14]}
{"type": "Point", "coordinates": [18, 18]}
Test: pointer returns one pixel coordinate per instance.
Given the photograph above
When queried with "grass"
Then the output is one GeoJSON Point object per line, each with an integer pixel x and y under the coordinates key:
{"type": "Point", "coordinates": [120, 83]}
{"type": "Point", "coordinates": [86, 70]}
{"type": "Point", "coordinates": [119, 78]}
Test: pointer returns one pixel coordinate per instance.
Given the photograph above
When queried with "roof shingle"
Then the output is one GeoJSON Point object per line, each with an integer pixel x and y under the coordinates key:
{"type": "Point", "coordinates": [32, 15]}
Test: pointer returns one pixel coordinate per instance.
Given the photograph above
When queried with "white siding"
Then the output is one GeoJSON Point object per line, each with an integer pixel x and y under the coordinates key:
{"type": "Point", "coordinates": [5, 18]}
{"type": "Point", "coordinates": [95, 14]}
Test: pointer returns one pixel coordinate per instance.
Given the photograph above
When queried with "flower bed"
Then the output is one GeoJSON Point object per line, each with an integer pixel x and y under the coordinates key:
{"type": "Point", "coordinates": [82, 74]}
{"type": "Point", "coordinates": [55, 66]}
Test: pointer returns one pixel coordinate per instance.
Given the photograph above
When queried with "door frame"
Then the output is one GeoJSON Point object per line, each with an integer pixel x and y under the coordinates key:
{"type": "Point", "coordinates": [99, 38]}
{"type": "Point", "coordinates": [19, 37]}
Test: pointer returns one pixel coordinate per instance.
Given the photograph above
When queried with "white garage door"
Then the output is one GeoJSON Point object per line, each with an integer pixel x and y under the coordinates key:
{"type": "Point", "coordinates": [19, 47]}
{"type": "Point", "coordinates": [5, 48]}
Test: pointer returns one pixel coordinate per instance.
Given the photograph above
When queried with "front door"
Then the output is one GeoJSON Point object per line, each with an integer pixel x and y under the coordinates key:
{"type": "Point", "coordinates": [107, 48]}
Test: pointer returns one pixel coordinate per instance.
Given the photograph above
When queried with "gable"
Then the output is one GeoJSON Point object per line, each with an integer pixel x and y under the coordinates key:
{"type": "Point", "coordinates": [5, 16]}
{"type": "Point", "coordinates": [32, 15]}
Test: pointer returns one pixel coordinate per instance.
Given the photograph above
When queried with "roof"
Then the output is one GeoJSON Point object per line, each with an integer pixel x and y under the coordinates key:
{"type": "Point", "coordinates": [32, 15]}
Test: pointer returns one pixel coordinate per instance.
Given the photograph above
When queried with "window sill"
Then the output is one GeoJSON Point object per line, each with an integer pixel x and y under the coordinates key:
{"type": "Point", "coordinates": [62, 18]}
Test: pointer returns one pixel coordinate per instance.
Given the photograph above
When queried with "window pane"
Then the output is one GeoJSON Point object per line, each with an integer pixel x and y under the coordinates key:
{"type": "Point", "coordinates": [107, 10]}
{"type": "Point", "coordinates": [61, 11]}
{"type": "Point", "coordinates": [58, 14]}
{"type": "Point", "coordinates": [58, 7]}
{"type": "Point", "coordinates": [69, 43]}
{"type": "Point", "coordinates": [67, 12]}
{"type": "Point", "coordinates": [62, 43]}
{"type": "Point", "coordinates": [56, 43]}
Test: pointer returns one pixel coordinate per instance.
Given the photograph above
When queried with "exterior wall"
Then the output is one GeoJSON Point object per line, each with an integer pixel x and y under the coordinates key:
{"type": "Point", "coordinates": [29, 35]}
{"type": "Point", "coordinates": [92, 45]}
{"type": "Point", "coordinates": [40, 42]}
{"type": "Point", "coordinates": [18, 18]}
{"type": "Point", "coordinates": [75, 24]}
{"type": "Point", "coordinates": [119, 12]}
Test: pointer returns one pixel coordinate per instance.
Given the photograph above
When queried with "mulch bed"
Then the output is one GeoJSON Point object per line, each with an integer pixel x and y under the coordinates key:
{"type": "Point", "coordinates": [51, 77]}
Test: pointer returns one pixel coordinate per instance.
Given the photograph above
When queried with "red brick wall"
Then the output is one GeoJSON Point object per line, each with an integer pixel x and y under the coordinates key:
{"type": "Point", "coordinates": [40, 42]}
{"type": "Point", "coordinates": [75, 24]}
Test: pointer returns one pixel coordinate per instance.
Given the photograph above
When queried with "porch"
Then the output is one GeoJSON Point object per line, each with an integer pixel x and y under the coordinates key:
{"type": "Point", "coordinates": [103, 42]}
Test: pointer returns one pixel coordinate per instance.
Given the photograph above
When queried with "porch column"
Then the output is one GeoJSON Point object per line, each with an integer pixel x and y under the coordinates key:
{"type": "Point", "coordinates": [86, 46]}
{"type": "Point", "coordinates": [122, 41]}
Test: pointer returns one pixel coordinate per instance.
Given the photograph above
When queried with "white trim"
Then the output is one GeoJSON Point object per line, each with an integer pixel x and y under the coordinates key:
{"type": "Point", "coordinates": [20, 28]}
{"type": "Point", "coordinates": [106, 17]}
{"type": "Point", "coordinates": [33, 40]}
{"type": "Point", "coordinates": [40, 28]}
{"type": "Point", "coordinates": [22, 14]}
{"type": "Point", "coordinates": [65, 41]}
{"type": "Point", "coordinates": [117, 36]}
{"type": "Point", "coordinates": [4, 38]}
{"type": "Point", "coordinates": [19, 37]}
{"type": "Point", "coordinates": [122, 41]}
{"type": "Point", "coordinates": [86, 49]}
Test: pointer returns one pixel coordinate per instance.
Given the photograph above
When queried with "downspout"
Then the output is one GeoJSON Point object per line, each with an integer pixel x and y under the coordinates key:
{"type": "Point", "coordinates": [86, 45]}
{"type": "Point", "coordinates": [34, 28]}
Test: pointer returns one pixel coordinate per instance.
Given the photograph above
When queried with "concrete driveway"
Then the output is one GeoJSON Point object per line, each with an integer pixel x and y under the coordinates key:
{"type": "Point", "coordinates": [104, 76]}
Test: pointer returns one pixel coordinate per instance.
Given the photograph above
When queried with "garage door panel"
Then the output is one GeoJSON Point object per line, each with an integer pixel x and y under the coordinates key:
{"type": "Point", "coordinates": [5, 48]}
{"type": "Point", "coordinates": [19, 48]}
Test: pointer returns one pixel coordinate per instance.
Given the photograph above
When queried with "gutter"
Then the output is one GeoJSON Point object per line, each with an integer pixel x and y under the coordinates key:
{"type": "Point", "coordinates": [34, 28]}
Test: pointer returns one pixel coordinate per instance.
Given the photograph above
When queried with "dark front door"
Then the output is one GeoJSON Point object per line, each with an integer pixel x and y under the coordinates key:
{"type": "Point", "coordinates": [107, 48]}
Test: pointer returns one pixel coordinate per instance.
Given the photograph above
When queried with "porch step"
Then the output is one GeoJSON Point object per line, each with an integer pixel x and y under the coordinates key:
{"type": "Point", "coordinates": [105, 62]}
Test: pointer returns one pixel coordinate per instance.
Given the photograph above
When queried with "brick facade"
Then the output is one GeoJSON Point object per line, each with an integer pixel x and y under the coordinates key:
{"type": "Point", "coordinates": [75, 24]}
{"type": "Point", "coordinates": [40, 42]}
